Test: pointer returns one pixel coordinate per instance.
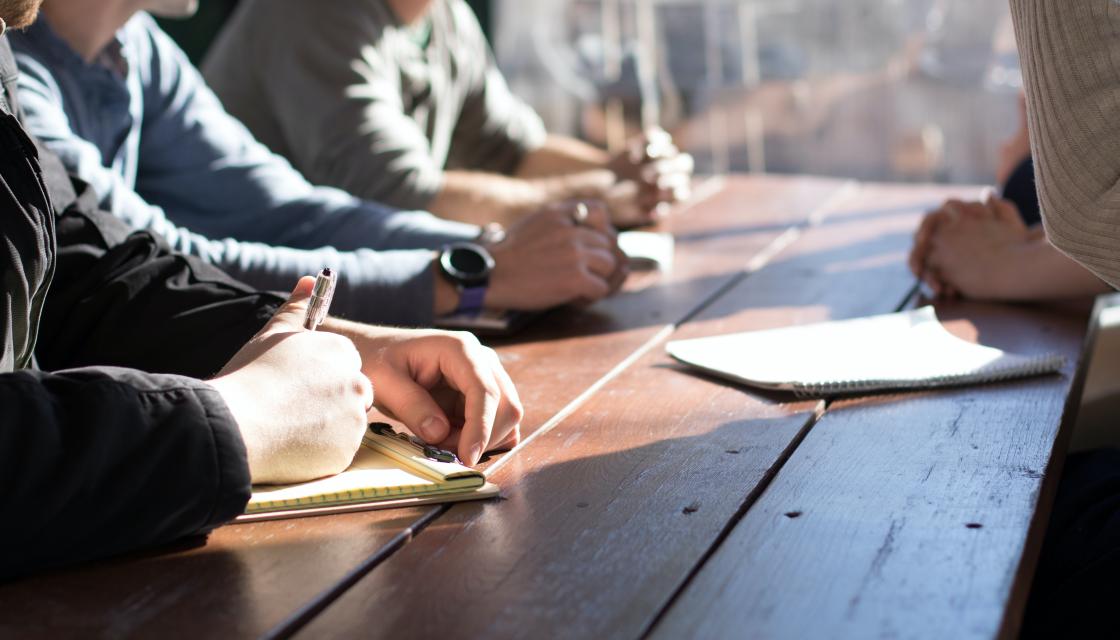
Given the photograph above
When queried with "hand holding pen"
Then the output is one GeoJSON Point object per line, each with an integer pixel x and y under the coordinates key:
{"type": "Point", "coordinates": [299, 398]}
{"type": "Point", "coordinates": [445, 387]}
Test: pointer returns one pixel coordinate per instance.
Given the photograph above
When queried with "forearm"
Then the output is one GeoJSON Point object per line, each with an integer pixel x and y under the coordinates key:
{"type": "Point", "coordinates": [562, 155]}
{"type": "Point", "coordinates": [481, 198]}
{"type": "Point", "coordinates": [97, 462]}
{"type": "Point", "coordinates": [1036, 271]}
{"type": "Point", "coordinates": [1071, 75]}
{"type": "Point", "coordinates": [383, 287]}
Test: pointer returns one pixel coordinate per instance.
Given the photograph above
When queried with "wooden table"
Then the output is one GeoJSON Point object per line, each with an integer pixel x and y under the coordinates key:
{"type": "Point", "coordinates": [647, 501]}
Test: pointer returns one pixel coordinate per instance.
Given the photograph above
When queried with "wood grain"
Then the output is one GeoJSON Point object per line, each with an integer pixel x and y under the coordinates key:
{"type": "Point", "coordinates": [241, 582]}
{"type": "Point", "coordinates": [902, 515]}
{"type": "Point", "coordinates": [248, 579]}
{"type": "Point", "coordinates": [606, 515]}
{"type": "Point", "coordinates": [560, 356]}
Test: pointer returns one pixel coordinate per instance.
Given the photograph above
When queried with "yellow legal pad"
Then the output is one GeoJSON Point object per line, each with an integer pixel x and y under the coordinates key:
{"type": "Point", "coordinates": [387, 472]}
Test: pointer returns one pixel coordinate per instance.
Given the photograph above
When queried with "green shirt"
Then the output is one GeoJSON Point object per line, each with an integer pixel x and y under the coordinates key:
{"type": "Point", "coordinates": [350, 96]}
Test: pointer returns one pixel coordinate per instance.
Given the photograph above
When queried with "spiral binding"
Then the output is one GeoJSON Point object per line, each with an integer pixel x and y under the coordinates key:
{"type": "Point", "coordinates": [994, 372]}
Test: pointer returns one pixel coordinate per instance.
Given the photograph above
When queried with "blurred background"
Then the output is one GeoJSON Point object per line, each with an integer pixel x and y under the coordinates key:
{"type": "Point", "coordinates": [901, 90]}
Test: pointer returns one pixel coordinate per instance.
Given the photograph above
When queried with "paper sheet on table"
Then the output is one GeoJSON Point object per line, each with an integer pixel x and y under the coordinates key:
{"type": "Point", "coordinates": [648, 249]}
{"type": "Point", "coordinates": [904, 350]}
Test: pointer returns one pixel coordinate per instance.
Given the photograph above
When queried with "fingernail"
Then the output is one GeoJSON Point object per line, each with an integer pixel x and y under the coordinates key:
{"type": "Point", "coordinates": [431, 429]}
{"type": "Point", "coordinates": [476, 454]}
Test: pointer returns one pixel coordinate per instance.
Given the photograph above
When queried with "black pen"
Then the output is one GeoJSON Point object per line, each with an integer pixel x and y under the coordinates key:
{"type": "Point", "coordinates": [320, 301]}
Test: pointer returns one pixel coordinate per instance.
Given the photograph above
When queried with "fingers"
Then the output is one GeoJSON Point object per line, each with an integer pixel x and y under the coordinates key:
{"type": "Point", "coordinates": [1007, 212]}
{"type": "Point", "coordinates": [507, 426]}
{"type": "Point", "coordinates": [669, 171]}
{"type": "Point", "coordinates": [601, 262]}
{"type": "Point", "coordinates": [483, 399]}
{"type": "Point", "coordinates": [920, 253]}
{"type": "Point", "coordinates": [602, 265]}
{"type": "Point", "coordinates": [412, 404]}
{"type": "Point", "coordinates": [587, 287]}
{"type": "Point", "coordinates": [598, 218]}
{"type": "Point", "coordinates": [365, 388]}
{"type": "Point", "coordinates": [290, 315]}
{"type": "Point", "coordinates": [463, 374]}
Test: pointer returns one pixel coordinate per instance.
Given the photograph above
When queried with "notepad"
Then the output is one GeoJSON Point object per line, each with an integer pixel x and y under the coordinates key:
{"type": "Point", "coordinates": [386, 472]}
{"type": "Point", "coordinates": [907, 350]}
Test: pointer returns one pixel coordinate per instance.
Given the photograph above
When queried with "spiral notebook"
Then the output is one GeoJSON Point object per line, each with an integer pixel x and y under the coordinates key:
{"type": "Point", "coordinates": [907, 350]}
{"type": "Point", "coordinates": [388, 471]}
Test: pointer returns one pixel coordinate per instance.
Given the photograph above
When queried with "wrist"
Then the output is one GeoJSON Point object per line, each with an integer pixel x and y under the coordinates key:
{"type": "Point", "coordinates": [445, 298]}
{"type": "Point", "coordinates": [593, 184]}
{"type": "Point", "coordinates": [233, 395]}
{"type": "Point", "coordinates": [466, 267]}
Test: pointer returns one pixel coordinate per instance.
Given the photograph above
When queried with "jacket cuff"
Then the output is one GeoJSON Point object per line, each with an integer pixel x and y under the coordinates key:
{"type": "Point", "coordinates": [234, 483]}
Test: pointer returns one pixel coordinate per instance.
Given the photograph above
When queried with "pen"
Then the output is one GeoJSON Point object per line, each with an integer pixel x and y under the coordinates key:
{"type": "Point", "coordinates": [320, 301]}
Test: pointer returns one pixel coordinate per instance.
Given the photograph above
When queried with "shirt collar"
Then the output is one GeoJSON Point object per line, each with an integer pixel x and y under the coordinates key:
{"type": "Point", "coordinates": [112, 58]}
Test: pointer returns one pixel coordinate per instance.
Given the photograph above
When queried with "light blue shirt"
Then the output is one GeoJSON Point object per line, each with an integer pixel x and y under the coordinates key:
{"type": "Point", "coordinates": [140, 125]}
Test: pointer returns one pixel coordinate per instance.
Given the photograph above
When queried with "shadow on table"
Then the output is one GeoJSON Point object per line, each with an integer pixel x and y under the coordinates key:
{"type": "Point", "coordinates": [612, 532]}
{"type": "Point", "coordinates": [667, 301]}
{"type": "Point", "coordinates": [845, 217]}
{"type": "Point", "coordinates": [244, 578]}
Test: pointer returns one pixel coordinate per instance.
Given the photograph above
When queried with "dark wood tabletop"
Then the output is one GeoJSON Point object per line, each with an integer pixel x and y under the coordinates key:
{"type": "Point", "coordinates": [646, 500]}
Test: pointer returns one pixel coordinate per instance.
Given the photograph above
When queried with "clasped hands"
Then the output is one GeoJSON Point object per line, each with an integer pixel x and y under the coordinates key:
{"type": "Point", "coordinates": [302, 399]}
{"type": "Point", "coordinates": [651, 175]}
{"type": "Point", "coordinates": [969, 248]}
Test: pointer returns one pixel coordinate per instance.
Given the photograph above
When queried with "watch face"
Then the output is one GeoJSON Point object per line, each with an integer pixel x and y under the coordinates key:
{"type": "Point", "coordinates": [467, 263]}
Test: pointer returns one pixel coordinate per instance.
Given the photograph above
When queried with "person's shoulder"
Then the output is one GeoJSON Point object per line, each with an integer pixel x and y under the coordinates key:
{"type": "Point", "coordinates": [461, 23]}
{"type": "Point", "coordinates": [36, 41]}
{"type": "Point", "coordinates": [140, 25]}
{"type": "Point", "coordinates": [461, 17]}
{"type": "Point", "coordinates": [142, 31]}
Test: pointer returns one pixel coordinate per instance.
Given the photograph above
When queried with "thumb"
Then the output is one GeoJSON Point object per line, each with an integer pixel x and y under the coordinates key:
{"type": "Point", "coordinates": [291, 314]}
{"type": "Point", "coordinates": [1007, 212]}
{"type": "Point", "coordinates": [413, 405]}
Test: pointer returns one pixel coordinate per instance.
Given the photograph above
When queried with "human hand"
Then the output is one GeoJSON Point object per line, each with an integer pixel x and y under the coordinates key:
{"type": "Point", "coordinates": [298, 396]}
{"type": "Point", "coordinates": [548, 259]}
{"type": "Point", "coordinates": [652, 174]}
{"type": "Point", "coordinates": [444, 386]}
{"type": "Point", "coordinates": [971, 250]}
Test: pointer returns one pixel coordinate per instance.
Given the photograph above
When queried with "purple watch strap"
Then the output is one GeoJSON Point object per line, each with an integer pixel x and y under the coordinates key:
{"type": "Point", "coordinates": [470, 300]}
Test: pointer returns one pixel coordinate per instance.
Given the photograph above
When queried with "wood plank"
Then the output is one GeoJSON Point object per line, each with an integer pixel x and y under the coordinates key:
{"type": "Point", "coordinates": [715, 239]}
{"type": "Point", "coordinates": [900, 515]}
{"type": "Point", "coordinates": [605, 516]}
{"type": "Point", "coordinates": [242, 581]}
{"type": "Point", "coordinates": [251, 578]}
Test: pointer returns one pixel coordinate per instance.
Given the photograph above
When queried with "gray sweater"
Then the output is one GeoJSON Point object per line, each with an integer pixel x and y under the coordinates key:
{"type": "Point", "coordinates": [1070, 52]}
{"type": "Point", "coordinates": [354, 101]}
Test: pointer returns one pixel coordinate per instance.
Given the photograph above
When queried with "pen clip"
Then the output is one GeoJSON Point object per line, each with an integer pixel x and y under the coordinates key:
{"type": "Point", "coordinates": [430, 452]}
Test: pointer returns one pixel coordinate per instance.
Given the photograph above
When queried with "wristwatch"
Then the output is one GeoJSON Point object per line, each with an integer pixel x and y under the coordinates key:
{"type": "Point", "coordinates": [467, 266]}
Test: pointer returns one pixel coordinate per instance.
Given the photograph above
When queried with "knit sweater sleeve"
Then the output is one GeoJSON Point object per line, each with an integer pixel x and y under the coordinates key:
{"type": "Point", "coordinates": [1070, 54]}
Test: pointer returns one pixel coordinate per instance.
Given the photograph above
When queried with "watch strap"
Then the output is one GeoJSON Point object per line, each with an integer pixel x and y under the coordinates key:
{"type": "Point", "coordinates": [471, 300]}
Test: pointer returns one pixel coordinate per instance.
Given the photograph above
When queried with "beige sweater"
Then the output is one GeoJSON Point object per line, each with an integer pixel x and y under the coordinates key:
{"type": "Point", "coordinates": [1070, 51]}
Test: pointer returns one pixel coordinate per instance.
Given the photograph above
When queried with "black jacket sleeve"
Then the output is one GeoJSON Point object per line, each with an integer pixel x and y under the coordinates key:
{"type": "Point", "coordinates": [124, 298]}
{"type": "Point", "coordinates": [95, 462]}
{"type": "Point", "coordinates": [98, 461]}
